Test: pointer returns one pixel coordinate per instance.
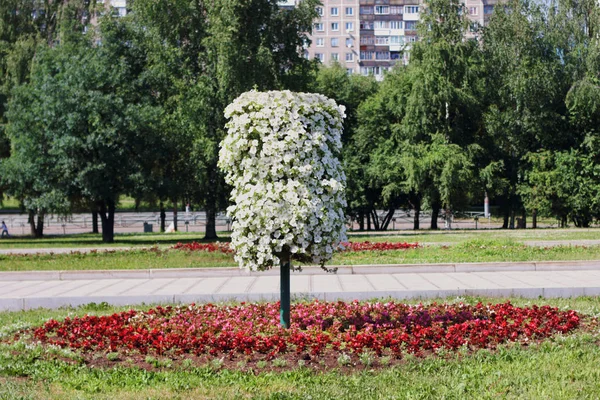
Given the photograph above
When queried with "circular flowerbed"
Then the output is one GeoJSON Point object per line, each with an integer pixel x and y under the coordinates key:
{"type": "Point", "coordinates": [318, 329]}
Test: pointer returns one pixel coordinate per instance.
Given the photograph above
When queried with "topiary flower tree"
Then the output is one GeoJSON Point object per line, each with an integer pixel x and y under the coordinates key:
{"type": "Point", "coordinates": [280, 156]}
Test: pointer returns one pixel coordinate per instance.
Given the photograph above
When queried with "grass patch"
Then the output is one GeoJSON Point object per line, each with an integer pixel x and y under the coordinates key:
{"type": "Point", "coordinates": [564, 367]}
{"type": "Point", "coordinates": [459, 236]}
{"type": "Point", "coordinates": [472, 251]}
{"type": "Point", "coordinates": [124, 240]}
{"type": "Point", "coordinates": [424, 237]}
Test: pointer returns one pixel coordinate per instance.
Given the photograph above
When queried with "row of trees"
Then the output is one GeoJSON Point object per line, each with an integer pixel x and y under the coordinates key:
{"type": "Point", "coordinates": [514, 114]}
{"type": "Point", "coordinates": [135, 106]}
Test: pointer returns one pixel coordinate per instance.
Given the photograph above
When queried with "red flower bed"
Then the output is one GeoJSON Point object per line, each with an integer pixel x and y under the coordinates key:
{"type": "Point", "coordinates": [316, 327]}
{"type": "Point", "coordinates": [348, 246]}
{"type": "Point", "coordinates": [210, 247]}
{"type": "Point", "coordinates": [378, 246]}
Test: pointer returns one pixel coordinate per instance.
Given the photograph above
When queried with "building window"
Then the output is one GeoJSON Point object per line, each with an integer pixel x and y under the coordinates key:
{"type": "Point", "coordinates": [335, 42]}
{"type": "Point", "coordinates": [396, 40]}
{"type": "Point", "coordinates": [395, 24]}
{"type": "Point", "coordinates": [382, 40]}
{"type": "Point", "coordinates": [367, 40]}
{"type": "Point", "coordinates": [349, 11]}
{"type": "Point", "coordinates": [366, 25]}
{"type": "Point", "coordinates": [487, 10]}
{"type": "Point", "coordinates": [349, 57]}
{"type": "Point", "coordinates": [320, 11]}
{"type": "Point", "coordinates": [320, 57]}
{"type": "Point", "coordinates": [366, 55]}
{"type": "Point", "coordinates": [335, 56]}
{"type": "Point", "coordinates": [411, 39]}
{"type": "Point", "coordinates": [335, 26]}
{"type": "Point", "coordinates": [381, 25]}
{"type": "Point", "coordinates": [349, 42]}
{"type": "Point", "coordinates": [411, 9]}
{"type": "Point", "coordinates": [319, 27]}
{"type": "Point", "coordinates": [349, 71]}
{"type": "Point", "coordinates": [472, 10]}
{"type": "Point", "coordinates": [382, 55]}
{"type": "Point", "coordinates": [410, 25]}
{"type": "Point", "coordinates": [349, 26]}
{"type": "Point", "coordinates": [382, 10]}
{"type": "Point", "coordinates": [366, 10]}
{"type": "Point", "coordinates": [334, 12]}
{"type": "Point", "coordinates": [320, 42]}
{"type": "Point", "coordinates": [396, 10]}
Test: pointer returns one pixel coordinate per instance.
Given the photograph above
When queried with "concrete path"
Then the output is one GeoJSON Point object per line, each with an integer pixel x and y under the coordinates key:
{"type": "Point", "coordinates": [21, 291]}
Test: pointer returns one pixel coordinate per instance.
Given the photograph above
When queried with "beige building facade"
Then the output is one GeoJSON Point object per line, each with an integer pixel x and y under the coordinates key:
{"type": "Point", "coordinates": [371, 36]}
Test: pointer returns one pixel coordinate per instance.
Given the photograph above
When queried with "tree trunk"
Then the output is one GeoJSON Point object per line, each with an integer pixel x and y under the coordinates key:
{"type": "Point", "coordinates": [435, 213]}
{"type": "Point", "coordinates": [369, 221]}
{"type": "Point", "coordinates": [175, 215]}
{"type": "Point", "coordinates": [416, 217]}
{"type": "Point", "coordinates": [31, 221]}
{"type": "Point", "coordinates": [107, 216]}
{"type": "Point", "coordinates": [511, 224]}
{"type": "Point", "coordinates": [534, 219]}
{"type": "Point", "coordinates": [95, 222]}
{"type": "Point", "coordinates": [163, 217]}
{"type": "Point", "coordinates": [211, 223]}
{"type": "Point", "coordinates": [387, 219]}
{"type": "Point", "coordinates": [39, 229]}
{"type": "Point", "coordinates": [506, 218]}
{"type": "Point", "coordinates": [361, 221]}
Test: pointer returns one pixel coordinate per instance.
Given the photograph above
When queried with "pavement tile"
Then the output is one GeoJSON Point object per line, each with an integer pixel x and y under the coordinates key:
{"type": "Point", "coordinates": [24, 285]}
{"type": "Point", "coordinates": [93, 287]}
{"type": "Point", "coordinates": [237, 284]}
{"type": "Point", "coordinates": [207, 286]}
{"type": "Point", "coordinates": [355, 283]}
{"type": "Point", "coordinates": [267, 284]}
{"type": "Point", "coordinates": [385, 282]}
{"type": "Point", "coordinates": [299, 284]}
{"type": "Point", "coordinates": [325, 283]}
{"type": "Point", "coordinates": [415, 281]}
{"type": "Point", "coordinates": [177, 286]}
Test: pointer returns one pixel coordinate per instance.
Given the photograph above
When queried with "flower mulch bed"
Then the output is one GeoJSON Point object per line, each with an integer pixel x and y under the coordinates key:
{"type": "Point", "coordinates": [322, 335]}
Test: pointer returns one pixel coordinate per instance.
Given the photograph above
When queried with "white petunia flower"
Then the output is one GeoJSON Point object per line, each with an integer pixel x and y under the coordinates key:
{"type": "Point", "coordinates": [280, 156]}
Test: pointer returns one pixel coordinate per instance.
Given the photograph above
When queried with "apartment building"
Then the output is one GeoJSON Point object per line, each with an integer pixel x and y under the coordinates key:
{"type": "Point", "coordinates": [335, 36]}
{"type": "Point", "coordinates": [371, 36]}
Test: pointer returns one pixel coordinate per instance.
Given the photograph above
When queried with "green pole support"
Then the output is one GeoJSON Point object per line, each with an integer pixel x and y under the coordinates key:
{"type": "Point", "coordinates": [284, 285]}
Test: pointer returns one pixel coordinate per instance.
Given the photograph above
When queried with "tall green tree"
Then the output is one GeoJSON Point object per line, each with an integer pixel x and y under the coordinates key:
{"type": "Point", "coordinates": [350, 91]}
{"type": "Point", "coordinates": [218, 50]}
{"type": "Point", "coordinates": [429, 117]}
{"type": "Point", "coordinates": [526, 86]}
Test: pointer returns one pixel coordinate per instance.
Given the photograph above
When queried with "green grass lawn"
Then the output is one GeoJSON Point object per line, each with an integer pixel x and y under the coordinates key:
{"type": "Point", "coordinates": [424, 237]}
{"type": "Point", "coordinates": [457, 236]}
{"type": "Point", "coordinates": [564, 367]}
{"type": "Point", "coordinates": [94, 240]}
{"type": "Point", "coordinates": [473, 251]}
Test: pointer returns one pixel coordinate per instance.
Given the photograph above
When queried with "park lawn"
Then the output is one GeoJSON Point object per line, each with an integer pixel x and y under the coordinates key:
{"type": "Point", "coordinates": [563, 367]}
{"type": "Point", "coordinates": [459, 236]}
{"type": "Point", "coordinates": [424, 237]}
{"type": "Point", "coordinates": [89, 240]}
{"type": "Point", "coordinates": [157, 258]}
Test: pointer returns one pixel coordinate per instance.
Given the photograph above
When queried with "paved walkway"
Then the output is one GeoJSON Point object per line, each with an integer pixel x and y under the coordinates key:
{"type": "Point", "coordinates": [27, 290]}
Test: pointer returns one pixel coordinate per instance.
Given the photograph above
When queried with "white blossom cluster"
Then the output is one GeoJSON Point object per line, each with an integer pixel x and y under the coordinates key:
{"type": "Point", "coordinates": [280, 156]}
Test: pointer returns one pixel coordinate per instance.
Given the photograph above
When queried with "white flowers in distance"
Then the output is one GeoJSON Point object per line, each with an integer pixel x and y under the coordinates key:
{"type": "Point", "coordinates": [280, 156]}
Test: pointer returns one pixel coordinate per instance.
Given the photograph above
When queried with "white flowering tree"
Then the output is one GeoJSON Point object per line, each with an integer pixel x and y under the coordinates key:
{"type": "Point", "coordinates": [280, 156]}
